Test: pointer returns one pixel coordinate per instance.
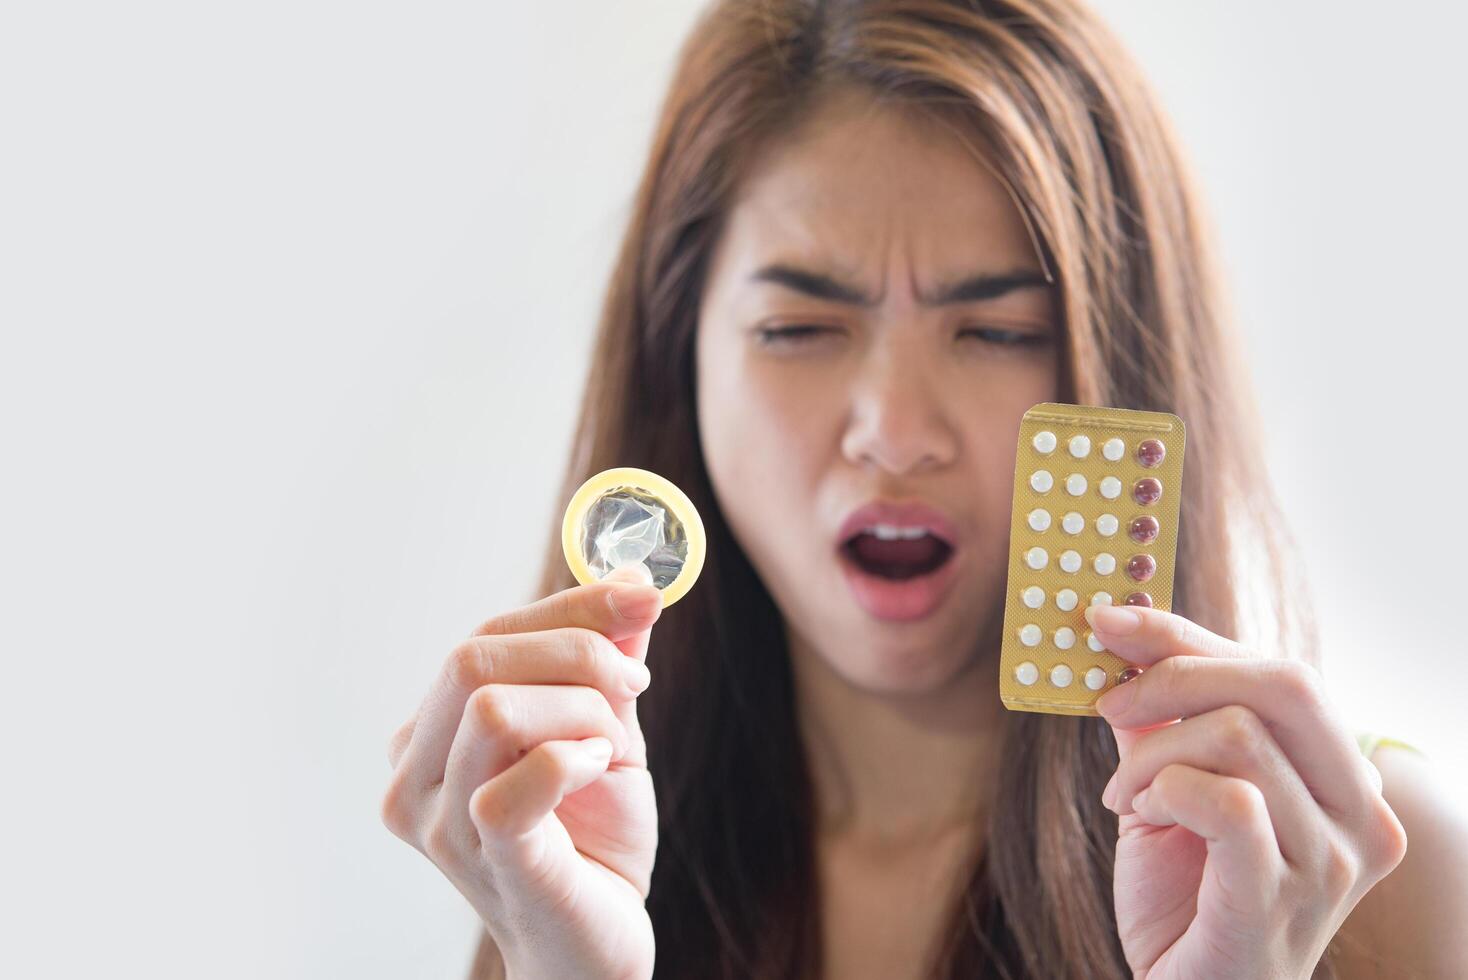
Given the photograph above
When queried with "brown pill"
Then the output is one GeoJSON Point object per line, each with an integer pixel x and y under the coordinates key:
{"type": "Point", "coordinates": [1148, 490]}
{"type": "Point", "coordinates": [1143, 530]}
{"type": "Point", "coordinates": [1150, 452]}
{"type": "Point", "coordinates": [1128, 673]}
{"type": "Point", "coordinates": [1138, 599]}
{"type": "Point", "coordinates": [1141, 567]}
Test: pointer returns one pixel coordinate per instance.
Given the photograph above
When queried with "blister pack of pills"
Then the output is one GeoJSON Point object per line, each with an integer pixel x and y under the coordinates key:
{"type": "Point", "coordinates": [1095, 518]}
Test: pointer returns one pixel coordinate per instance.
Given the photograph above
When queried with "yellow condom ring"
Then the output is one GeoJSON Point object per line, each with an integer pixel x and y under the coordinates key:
{"type": "Point", "coordinates": [627, 514]}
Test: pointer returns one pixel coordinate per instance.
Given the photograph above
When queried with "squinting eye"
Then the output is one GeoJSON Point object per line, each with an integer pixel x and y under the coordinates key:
{"type": "Point", "coordinates": [1007, 338]}
{"type": "Point", "coordinates": [788, 335]}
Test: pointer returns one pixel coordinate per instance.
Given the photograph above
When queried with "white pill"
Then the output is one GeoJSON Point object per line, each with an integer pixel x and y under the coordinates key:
{"type": "Point", "coordinates": [1039, 519]}
{"type": "Point", "coordinates": [1065, 637]}
{"type": "Point", "coordinates": [1066, 599]}
{"type": "Point", "coordinates": [1036, 558]}
{"type": "Point", "coordinates": [1101, 599]}
{"type": "Point", "coordinates": [1095, 678]}
{"type": "Point", "coordinates": [1027, 673]}
{"type": "Point", "coordinates": [1044, 442]}
{"type": "Point", "coordinates": [1075, 484]}
{"type": "Point", "coordinates": [1114, 449]}
{"type": "Point", "coordinates": [1029, 635]}
{"type": "Point", "coordinates": [1080, 446]}
{"type": "Point", "coordinates": [1034, 597]}
{"type": "Point", "coordinates": [1041, 481]}
{"type": "Point", "coordinates": [1060, 675]}
{"type": "Point", "coordinates": [1104, 564]}
{"type": "Point", "coordinates": [1106, 525]}
{"type": "Point", "coordinates": [1094, 643]}
{"type": "Point", "coordinates": [1073, 523]}
{"type": "Point", "coordinates": [1110, 487]}
{"type": "Point", "coordinates": [1070, 561]}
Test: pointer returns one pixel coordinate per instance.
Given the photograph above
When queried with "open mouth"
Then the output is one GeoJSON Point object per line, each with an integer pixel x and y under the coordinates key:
{"type": "Point", "coordinates": [897, 558]}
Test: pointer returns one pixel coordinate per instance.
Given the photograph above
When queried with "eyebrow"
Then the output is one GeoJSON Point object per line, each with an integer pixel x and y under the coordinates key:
{"type": "Point", "coordinates": [968, 290]}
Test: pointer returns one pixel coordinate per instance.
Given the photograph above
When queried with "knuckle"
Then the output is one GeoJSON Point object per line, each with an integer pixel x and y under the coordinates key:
{"type": "Point", "coordinates": [1164, 782]}
{"type": "Point", "coordinates": [1339, 870]}
{"type": "Point", "coordinates": [465, 667]}
{"type": "Point", "coordinates": [1180, 630]}
{"type": "Point", "coordinates": [440, 842]}
{"type": "Point", "coordinates": [491, 711]}
{"type": "Point", "coordinates": [1201, 641]}
{"type": "Point", "coordinates": [1172, 676]}
{"type": "Point", "coordinates": [1240, 729]}
{"type": "Point", "coordinates": [1240, 801]}
{"type": "Point", "coordinates": [1194, 637]}
{"type": "Point", "coordinates": [1390, 840]}
{"type": "Point", "coordinates": [396, 811]}
{"type": "Point", "coordinates": [397, 743]}
{"type": "Point", "coordinates": [588, 652]}
{"type": "Point", "coordinates": [554, 761]}
{"type": "Point", "coordinates": [487, 808]}
{"type": "Point", "coordinates": [1300, 681]}
{"type": "Point", "coordinates": [557, 608]}
{"type": "Point", "coordinates": [496, 624]}
{"type": "Point", "coordinates": [542, 614]}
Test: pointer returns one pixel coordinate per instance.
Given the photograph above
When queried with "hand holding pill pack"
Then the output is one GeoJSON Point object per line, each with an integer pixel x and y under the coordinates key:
{"type": "Point", "coordinates": [1095, 518]}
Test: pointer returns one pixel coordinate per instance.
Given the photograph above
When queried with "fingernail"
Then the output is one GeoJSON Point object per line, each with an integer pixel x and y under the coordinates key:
{"type": "Point", "coordinates": [1116, 700]}
{"type": "Point", "coordinates": [1140, 799]}
{"type": "Point", "coordinates": [1109, 792]}
{"type": "Point", "coordinates": [1116, 620]}
{"type": "Point", "coordinates": [636, 674]}
{"type": "Point", "coordinates": [635, 601]}
{"type": "Point", "coordinates": [636, 573]}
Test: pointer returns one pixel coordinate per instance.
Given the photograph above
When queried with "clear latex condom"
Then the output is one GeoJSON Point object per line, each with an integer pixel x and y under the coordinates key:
{"type": "Point", "coordinates": [625, 516]}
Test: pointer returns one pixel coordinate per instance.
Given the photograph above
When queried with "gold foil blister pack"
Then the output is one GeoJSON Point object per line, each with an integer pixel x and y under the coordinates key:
{"type": "Point", "coordinates": [1096, 504]}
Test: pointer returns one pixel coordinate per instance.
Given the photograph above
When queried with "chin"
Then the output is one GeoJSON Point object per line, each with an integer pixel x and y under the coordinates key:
{"type": "Point", "coordinates": [900, 669]}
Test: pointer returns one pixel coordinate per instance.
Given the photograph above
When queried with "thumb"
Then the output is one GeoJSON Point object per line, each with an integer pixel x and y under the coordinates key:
{"type": "Point", "coordinates": [637, 573]}
{"type": "Point", "coordinates": [634, 646]}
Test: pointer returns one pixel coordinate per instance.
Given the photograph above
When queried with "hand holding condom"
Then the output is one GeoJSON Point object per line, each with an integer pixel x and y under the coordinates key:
{"type": "Point", "coordinates": [523, 775]}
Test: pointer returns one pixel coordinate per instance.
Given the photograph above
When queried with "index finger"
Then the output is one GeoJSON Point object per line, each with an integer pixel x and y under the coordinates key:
{"type": "Point", "coordinates": [617, 608]}
{"type": "Point", "coordinates": [1144, 636]}
{"type": "Point", "coordinates": [1196, 671]}
{"type": "Point", "coordinates": [1141, 635]}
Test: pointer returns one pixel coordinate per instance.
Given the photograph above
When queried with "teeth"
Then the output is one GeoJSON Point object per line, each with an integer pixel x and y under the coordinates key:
{"type": "Point", "coordinates": [891, 532]}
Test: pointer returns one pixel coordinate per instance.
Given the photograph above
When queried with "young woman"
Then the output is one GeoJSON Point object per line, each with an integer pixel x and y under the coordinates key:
{"type": "Point", "coordinates": [869, 236]}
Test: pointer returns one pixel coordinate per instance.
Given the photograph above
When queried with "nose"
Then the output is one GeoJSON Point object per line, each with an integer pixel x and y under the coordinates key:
{"type": "Point", "coordinates": [898, 421]}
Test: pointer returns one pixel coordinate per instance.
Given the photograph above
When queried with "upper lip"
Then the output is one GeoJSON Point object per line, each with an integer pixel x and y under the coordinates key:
{"type": "Point", "coordinates": [904, 513]}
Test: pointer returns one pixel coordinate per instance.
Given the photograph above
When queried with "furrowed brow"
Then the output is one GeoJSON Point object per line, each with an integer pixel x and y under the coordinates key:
{"type": "Point", "coordinates": [971, 289]}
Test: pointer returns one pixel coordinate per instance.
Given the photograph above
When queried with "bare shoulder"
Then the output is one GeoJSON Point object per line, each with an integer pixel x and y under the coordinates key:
{"type": "Point", "coordinates": [1412, 924]}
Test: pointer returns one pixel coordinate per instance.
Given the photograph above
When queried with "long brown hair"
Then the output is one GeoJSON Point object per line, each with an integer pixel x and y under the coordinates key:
{"type": "Point", "coordinates": [1064, 118]}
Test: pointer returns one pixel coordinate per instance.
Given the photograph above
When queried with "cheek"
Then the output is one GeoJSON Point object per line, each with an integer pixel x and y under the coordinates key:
{"type": "Point", "coordinates": [765, 443]}
{"type": "Point", "coordinates": [759, 426]}
{"type": "Point", "coordinates": [991, 419]}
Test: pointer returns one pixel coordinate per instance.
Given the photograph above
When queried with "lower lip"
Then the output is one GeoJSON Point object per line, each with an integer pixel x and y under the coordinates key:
{"type": "Point", "coordinates": [899, 600]}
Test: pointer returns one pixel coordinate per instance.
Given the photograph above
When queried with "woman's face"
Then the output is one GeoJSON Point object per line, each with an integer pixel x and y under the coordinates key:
{"type": "Point", "coordinates": [847, 233]}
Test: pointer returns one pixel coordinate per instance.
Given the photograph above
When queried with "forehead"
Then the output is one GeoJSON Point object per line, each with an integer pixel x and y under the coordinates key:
{"type": "Point", "coordinates": [859, 185]}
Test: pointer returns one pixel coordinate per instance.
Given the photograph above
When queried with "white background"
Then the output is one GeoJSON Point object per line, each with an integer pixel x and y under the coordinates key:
{"type": "Point", "coordinates": [296, 302]}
